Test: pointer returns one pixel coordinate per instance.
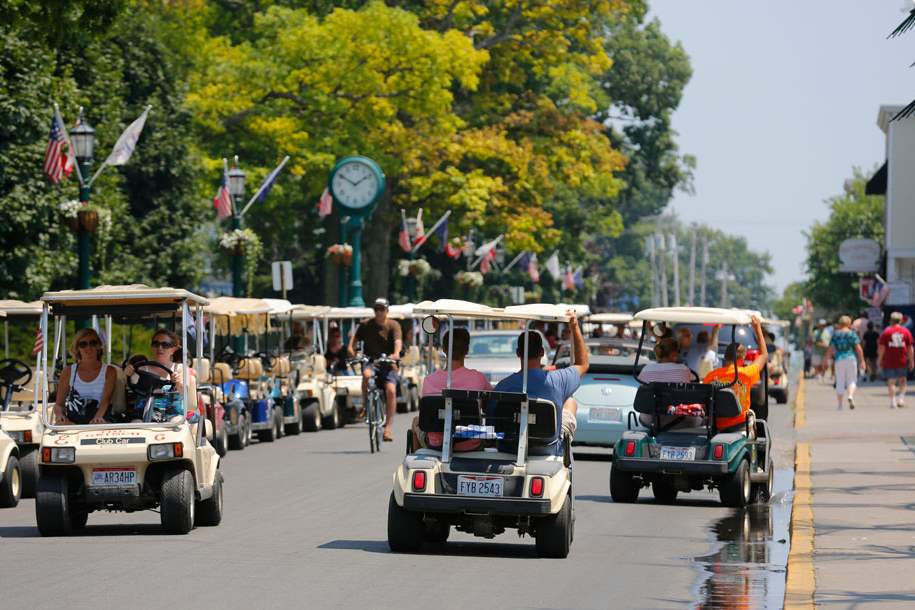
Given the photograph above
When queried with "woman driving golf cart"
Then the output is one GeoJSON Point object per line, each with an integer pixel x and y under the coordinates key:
{"type": "Point", "coordinates": [166, 365]}
{"type": "Point", "coordinates": [84, 391]}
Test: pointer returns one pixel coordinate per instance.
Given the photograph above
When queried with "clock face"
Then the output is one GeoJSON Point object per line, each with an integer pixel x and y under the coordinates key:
{"type": "Point", "coordinates": [355, 185]}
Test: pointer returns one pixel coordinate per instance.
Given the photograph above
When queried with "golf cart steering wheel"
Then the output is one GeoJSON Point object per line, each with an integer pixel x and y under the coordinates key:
{"type": "Point", "coordinates": [147, 382]}
{"type": "Point", "coordinates": [695, 376]}
{"type": "Point", "coordinates": [13, 371]}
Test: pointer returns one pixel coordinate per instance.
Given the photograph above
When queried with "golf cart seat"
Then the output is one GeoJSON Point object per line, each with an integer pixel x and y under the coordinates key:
{"type": "Point", "coordinates": [542, 424]}
{"type": "Point", "coordinates": [21, 400]}
{"type": "Point", "coordinates": [411, 357]}
{"type": "Point", "coordinates": [220, 373]}
{"type": "Point", "coordinates": [653, 399]}
{"type": "Point", "coordinates": [465, 411]}
{"type": "Point", "coordinates": [202, 367]}
{"type": "Point", "coordinates": [318, 365]}
{"type": "Point", "coordinates": [250, 369]}
{"type": "Point", "coordinates": [281, 366]}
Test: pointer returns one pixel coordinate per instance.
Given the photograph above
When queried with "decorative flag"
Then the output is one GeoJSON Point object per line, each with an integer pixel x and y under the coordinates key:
{"type": "Point", "coordinates": [223, 199]}
{"type": "Point", "coordinates": [420, 229]}
{"type": "Point", "coordinates": [533, 270]}
{"type": "Point", "coordinates": [268, 182]}
{"type": "Point", "coordinates": [439, 229]}
{"type": "Point", "coordinates": [487, 246]}
{"type": "Point", "coordinates": [325, 204]}
{"type": "Point", "coordinates": [403, 239]}
{"type": "Point", "coordinates": [57, 162]}
{"type": "Point", "coordinates": [552, 265]}
{"type": "Point", "coordinates": [486, 261]}
{"type": "Point", "coordinates": [468, 247]}
{"type": "Point", "coordinates": [124, 147]}
{"type": "Point", "coordinates": [578, 279]}
{"type": "Point", "coordinates": [452, 251]}
{"type": "Point", "coordinates": [568, 281]}
{"type": "Point", "coordinates": [881, 291]}
{"type": "Point", "coordinates": [39, 342]}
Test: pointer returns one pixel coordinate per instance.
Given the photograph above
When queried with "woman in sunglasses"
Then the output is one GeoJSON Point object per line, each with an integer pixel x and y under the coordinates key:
{"type": "Point", "coordinates": [84, 391]}
{"type": "Point", "coordinates": [166, 348]}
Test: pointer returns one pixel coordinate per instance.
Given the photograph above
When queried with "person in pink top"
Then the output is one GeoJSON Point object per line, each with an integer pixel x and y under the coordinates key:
{"type": "Point", "coordinates": [462, 378]}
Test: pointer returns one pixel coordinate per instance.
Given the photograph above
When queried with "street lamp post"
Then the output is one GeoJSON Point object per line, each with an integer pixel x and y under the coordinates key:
{"type": "Point", "coordinates": [237, 190]}
{"type": "Point", "coordinates": [83, 137]}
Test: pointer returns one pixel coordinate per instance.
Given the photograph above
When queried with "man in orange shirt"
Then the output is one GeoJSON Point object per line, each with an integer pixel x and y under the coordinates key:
{"type": "Point", "coordinates": [747, 374]}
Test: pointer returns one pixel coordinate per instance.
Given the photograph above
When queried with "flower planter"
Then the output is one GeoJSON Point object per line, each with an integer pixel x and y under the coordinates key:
{"type": "Point", "coordinates": [72, 222]}
{"type": "Point", "coordinates": [88, 220]}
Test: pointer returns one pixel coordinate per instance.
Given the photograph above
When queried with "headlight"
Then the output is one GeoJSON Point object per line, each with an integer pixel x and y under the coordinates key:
{"type": "Point", "coordinates": [58, 455]}
{"type": "Point", "coordinates": [165, 451]}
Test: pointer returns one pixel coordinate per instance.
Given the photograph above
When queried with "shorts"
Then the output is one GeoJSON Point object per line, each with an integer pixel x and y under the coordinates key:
{"type": "Point", "coordinates": [894, 373]}
{"type": "Point", "coordinates": [390, 376]}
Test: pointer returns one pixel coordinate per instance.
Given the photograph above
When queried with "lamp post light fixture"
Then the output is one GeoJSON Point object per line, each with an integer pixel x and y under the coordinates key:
{"type": "Point", "coordinates": [237, 190]}
{"type": "Point", "coordinates": [83, 138]}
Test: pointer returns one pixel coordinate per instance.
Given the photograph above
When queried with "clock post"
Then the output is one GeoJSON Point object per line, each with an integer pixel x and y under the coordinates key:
{"type": "Point", "coordinates": [356, 183]}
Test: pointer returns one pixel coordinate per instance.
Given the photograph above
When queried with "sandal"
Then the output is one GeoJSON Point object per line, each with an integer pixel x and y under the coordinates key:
{"type": "Point", "coordinates": [387, 437]}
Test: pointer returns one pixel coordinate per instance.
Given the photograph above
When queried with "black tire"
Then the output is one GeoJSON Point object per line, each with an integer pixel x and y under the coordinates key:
{"type": "Point", "coordinates": [295, 428]}
{"type": "Point", "coordinates": [28, 467]}
{"type": "Point", "coordinates": [11, 485]}
{"type": "Point", "coordinates": [237, 440]}
{"type": "Point", "coordinates": [405, 529]}
{"type": "Point", "coordinates": [781, 398]}
{"type": "Point", "coordinates": [402, 401]}
{"type": "Point", "coordinates": [624, 489]}
{"type": "Point", "coordinates": [176, 510]}
{"type": "Point", "coordinates": [761, 492]}
{"type": "Point", "coordinates": [554, 533]}
{"type": "Point", "coordinates": [664, 490]}
{"type": "Point", "coordinates": [222, 440]}
{"type": "Point", "coordinates": [311, 417]}
{"type": "Point", "coordinates": [249, 433]}
{"type": "Point", "coordinates": [436, 532]}
{"type": "Point", "coordinates": [268, 435]}
{"type": "Point", "coordinates": [335, 419]}
{"type": "Point", "coordinates": [278, 423]}
{"type": "Point", "coordinates": [209, 512]}
{"type": "Point", "coordinates": [735, 488]}
{"type": "Point", "coordinates": [78, 518]}
{"type": "Point", "coordinates": [52, 505]}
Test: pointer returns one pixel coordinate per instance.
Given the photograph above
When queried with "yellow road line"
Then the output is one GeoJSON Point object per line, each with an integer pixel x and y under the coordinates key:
{"type": "Point", "coordinates": [800, 588]}
{"type": "Point", "coordinates": [800, 414]}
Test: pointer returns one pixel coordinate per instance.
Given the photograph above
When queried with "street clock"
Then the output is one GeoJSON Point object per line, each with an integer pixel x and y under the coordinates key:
{"type": "Point", "coordinates": [356, 184]}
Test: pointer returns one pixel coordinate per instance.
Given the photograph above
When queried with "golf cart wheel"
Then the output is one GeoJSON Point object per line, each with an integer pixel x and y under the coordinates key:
{"type": "Point", "coordinates": [237, 440]}
{"type": "Point", "coordinates": [176, 509]}
{"type": "Point", "coordinates": [624, 488]}
{"type": "Point", "coordinates": [52, 505]}
{"type": "Point", "coordinates": [209, 512]}
{"type": "Point", "coordinates": [335, 419]}
{"type": "Point", "coordinates": [761, 492]}
{"type": "Point", "coordinates": [222, 441]}
{"type": "Point", "coordinates": [414, 398]}
{"type": "Point", "coordinates": [11, 485]}
{"type": "Point", "coordinates": [664, 490]}
{"type": "Point", "coordinates": [405, 529]}
{"type": "Point", "coordinates": [268, 435]}
{"type": "Point", "coordinates": [249, 433]}
{"type": "Point", "coordinates": [403, 399]}
{"type": "Point", "coordinates": [554, 533]}
{"type": "Point", "coordinates": [436, 532]}
{"type": "Point", "coordinates": [735, 488]}
{"type": "Point", "coordinates": [295, 428]}
{"type": "Point", "coordinates": [311, 417]}
{"type": "Point", "coordinates": [278, 424]}
{"type": "Point", "coordinates": [79, 518]}
{"type": "Point", "coordinates": [28, 466]}
{"type": "Point", "coordinates": [781, 398]}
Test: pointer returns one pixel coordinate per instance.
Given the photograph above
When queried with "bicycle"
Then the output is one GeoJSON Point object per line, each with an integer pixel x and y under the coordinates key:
{"type": "Point", "coordinates": [375, 402]}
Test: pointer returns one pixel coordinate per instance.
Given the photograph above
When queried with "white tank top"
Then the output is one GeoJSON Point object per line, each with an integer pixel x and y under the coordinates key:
{"type": "Point", "coordinates": [90, 390]}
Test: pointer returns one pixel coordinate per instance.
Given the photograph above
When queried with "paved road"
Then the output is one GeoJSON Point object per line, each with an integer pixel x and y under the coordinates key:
{"type": "Point", "coordinates": [305, 523]}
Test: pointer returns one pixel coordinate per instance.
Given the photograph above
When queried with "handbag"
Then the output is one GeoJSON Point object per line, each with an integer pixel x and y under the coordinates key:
{"type": "Point", "coordinates": [79, 410]}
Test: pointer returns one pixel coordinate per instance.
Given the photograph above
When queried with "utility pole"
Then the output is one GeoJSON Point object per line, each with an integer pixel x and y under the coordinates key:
{"type": "Point", "coordinates": [662, 250]}
{"type": "Point", "coordinates": [704, 265]}
{"type": "Point", "coordinates": [724, 276]}
{"type": "Point", "coordinates": [653, 263]}
{"type": "Point", "coordinates": [675, 260]}
{"type": "Point", "coordinates": [692, 271]}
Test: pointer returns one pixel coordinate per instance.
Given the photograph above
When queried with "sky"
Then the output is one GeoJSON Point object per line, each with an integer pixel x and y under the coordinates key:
{"type": "Point", "coordinates": [781, 107]}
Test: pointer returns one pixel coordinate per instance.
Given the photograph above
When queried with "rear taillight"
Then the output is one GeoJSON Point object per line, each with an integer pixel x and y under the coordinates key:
{"type": "Point", "coordinates": [718, 452]}
{"type": "Point", "coordinates": [630, 448]}
{"type": "Point", "coordinates": [27, 436]}
{"type": "Point", "coordinates": [419, 480]}
{"type": "Point", "coordinates": [536, 487]}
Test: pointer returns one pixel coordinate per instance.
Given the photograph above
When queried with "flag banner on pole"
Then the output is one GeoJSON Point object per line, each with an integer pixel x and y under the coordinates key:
{"type": "Point", "coordinates": [487, 246]}
{"type": "Point", "coordinates": [881, 290]}
{"type": "Point", "coordinates": [39, 342]}
{"type": "Point", "coordinates": [124, 147]}
{"type": "Point", "coordinates": [420, 229]}
{"type": "Point", "coordinates": [58, 163]}
{"type": "Point", "coordinates": [568, 281]}
{"type": "Point", "coordinates": [552, 265]}
{"type": "Point", "coordinates": [520, 260]}
{"type": "Point", "coordinates": [266, 185]}
{"type": "Point", "coordinates": [452, 251]}
{"type": "Point", "coordinates": [223, 199]}
{"type": "Point", "coordinates": [486, 261]}
{"type": "Point", "coordinates": [440, 230]}
{"type": "Point", "coordinates": [533, 270]}
{"type": "Point", "coordinates": [578, 279]}
{"type": "Point", "coordinates": [325, 204]}
{"type": "Point", "coordinates": [403, 238]}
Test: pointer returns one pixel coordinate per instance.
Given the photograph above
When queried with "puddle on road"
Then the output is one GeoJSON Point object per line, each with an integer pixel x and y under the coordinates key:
{"type": "Point", "coordinates": [748, 566]}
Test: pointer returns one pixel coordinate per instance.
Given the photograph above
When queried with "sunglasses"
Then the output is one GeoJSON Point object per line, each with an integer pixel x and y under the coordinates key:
{"type": "Point", "coordinates": [90, 343]}
{"type": "Point", "coordinates": [162, 344]}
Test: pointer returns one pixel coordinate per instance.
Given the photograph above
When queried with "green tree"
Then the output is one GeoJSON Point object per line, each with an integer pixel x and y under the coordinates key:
{"type": "Point", "coordinates": [853, 214]}
{"type": "Point", "coordinates": [793, 295]}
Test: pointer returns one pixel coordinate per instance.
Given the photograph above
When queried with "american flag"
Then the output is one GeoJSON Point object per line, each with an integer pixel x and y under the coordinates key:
{"type": "Point", "coordinates": [325, 204]}
{"type": "Point", "coordinates": [57, 162]}
{"type": "Point", "coordinates": [486, 262]}
{"type": "Point", "coordinates": [403, 238]}
{"type": "Point", "coordinates": [39, 342]}
{"type": "Point", "coordinates": [223, 199]}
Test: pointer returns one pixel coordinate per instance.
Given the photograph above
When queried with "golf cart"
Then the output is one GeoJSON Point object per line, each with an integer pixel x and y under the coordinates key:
{"type": "Point", "coordinates": [150, 462]}
{"type": "Point", "coordinates": [10, 472]}
{"type": "Point", "coordinates": [518, 476]}
{"type": "Point", "coordinates": [349, 387]}
{"type": "Point", "coordinates": [277, 362]}
{"type": "Point", "coordinates": [682, 448]}
{"type": "Point", "coordinates": [315, 389]}
{"type": "Point", "coordinates": [778, 360]}
{"type": "Point", "coordinates": [19, 416]}
{"type": "Point", "coordinates": [411, 368]}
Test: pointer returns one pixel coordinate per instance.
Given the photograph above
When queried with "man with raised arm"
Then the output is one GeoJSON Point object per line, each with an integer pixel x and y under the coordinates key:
{"type": "Point", "coordinates": [748, 375]}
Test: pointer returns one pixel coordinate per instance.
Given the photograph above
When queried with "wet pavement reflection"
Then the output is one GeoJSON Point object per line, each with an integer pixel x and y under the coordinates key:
{"type": "Point", "coordinates": [748, 566]}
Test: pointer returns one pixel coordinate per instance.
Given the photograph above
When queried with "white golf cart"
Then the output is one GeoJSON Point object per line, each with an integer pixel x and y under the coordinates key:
{"type": "Point", "coordinates": [146, 461]}
{"type": "Point", "coordinates": [10, 473]}
{"type": "Point", "coordinates": [411, 367]}
{"type": "Point", "coordinates": [19, 416]}
{"type": "Point", "coordinates": [315, 389]}
{"type": "Point", "coordinates": [349, 387]}
{"type": "Point", "coordinates": [519, 475]}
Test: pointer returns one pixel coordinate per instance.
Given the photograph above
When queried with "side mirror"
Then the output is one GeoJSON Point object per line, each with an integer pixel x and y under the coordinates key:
{"type": "Point", "coordinates": [430, 325]}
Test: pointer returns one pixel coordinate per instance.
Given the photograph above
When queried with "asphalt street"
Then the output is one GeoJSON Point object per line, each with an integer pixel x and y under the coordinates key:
{"type": "Point", "coordinates": [305, 526]}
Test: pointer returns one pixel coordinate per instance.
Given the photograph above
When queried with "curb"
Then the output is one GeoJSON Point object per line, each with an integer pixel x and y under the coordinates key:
{"type": "Point", "coordinates": [800, 585]}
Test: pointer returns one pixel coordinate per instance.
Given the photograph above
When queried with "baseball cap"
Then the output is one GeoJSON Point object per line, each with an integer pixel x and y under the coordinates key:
{"type": "Point", "coordinates": [380, 303]}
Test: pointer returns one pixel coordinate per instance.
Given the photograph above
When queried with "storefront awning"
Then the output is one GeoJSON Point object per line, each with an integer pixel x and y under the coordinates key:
{"type": "Point", "coordinates": [877, 184]}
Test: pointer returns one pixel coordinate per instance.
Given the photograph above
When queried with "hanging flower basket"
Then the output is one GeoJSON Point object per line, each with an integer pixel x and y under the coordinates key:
{"type": "Point", "coordinates": [69, 211]}
{"type": "Point", "coordinates": [418, 268]}
{"type": "Point", "coordinates": [238, 241]}
{"type": "Point", "coordinates": [470, 279]}
{"type": "Point", "coordinates": [340, 254]}
{"type": "Point", "coordinates": [88, 220]}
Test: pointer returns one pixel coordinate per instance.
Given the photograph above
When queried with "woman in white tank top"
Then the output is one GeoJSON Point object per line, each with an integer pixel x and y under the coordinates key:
{"type": "Point", "coordinates": [89, 378]}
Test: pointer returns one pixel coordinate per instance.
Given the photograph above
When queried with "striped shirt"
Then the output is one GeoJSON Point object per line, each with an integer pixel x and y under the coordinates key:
{"type": "Point", "coordinates": [671, 372]}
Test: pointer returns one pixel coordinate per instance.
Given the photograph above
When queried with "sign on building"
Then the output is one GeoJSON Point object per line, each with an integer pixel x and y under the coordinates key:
{"type": "Point", "coordinates": [859, 256]}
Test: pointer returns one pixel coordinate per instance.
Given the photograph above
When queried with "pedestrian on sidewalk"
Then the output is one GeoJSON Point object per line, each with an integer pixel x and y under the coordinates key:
{"type": "Point", "coordinates": [894, 350]}
{"type": "Point", "coordinates": [846, 353]}
{"type": "Point", "coordinates": [821, 338]}
{"type": "Point", "coordinates": [871, 336]}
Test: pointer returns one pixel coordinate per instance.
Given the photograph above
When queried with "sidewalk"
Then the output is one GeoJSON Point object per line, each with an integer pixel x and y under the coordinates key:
{"type": "Point", "coordinates": [862, 477]}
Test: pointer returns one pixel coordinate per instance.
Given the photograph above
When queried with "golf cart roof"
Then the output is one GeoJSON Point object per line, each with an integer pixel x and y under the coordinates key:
{"type": "Point", "coordinates": [20, 308]}
{"type": "Point", "coordinates": [545, 312]}
{"type": "Point", "coordinates": [765, 321]}
{"type": "Point", "coordinates": [610, 318]}
{"type": "Point", "coordinates": [237, 306]}
{"type": "Point", "coordinates": [350, 313]}
{"type": "Point", "coordinates": [458, 309]}
{"type": "Point", "coordinates": [401, 312]}
{"type": "Point", "coordinates": [694, 315]}
{"type": "Point", "coordinates": [113, 296]}
{"type": "Point", "coordinates": [278, 306]}
{"type": "Point", "coordinates": [309, 312]}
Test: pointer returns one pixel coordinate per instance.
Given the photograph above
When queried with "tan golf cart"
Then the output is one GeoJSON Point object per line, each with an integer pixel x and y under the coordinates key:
{"type": "Point", "coordinates": [10, 473]}
{"type": "Point", "coordinates": [518, 476]}
{"type": "Point", "coordinates": [147, 460]}
{"type": "Point", "coordinates": [349, 387]}
{"type": "Point", "coordinates": [315, 387]}
{"type": "Point", "coordinates": [19, 416]}
{"type": "Point", "coordinates": [411, 368]}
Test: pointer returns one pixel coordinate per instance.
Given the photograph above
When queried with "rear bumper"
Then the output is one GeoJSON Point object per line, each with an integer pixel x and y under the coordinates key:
{"type": "Point", "coordinates": [430, 503]}
{"type": "Point", "coordinates": [112, 494]}
{"type": "Point", "coordinates": [700, 467]}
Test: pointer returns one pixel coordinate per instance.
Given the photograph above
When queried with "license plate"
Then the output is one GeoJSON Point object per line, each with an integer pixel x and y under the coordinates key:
{"type": "Point", "coordinates": [598, 414]}
{"type": "Point", "coordinates": [110, 477]}
{"type": "Point", "coordinates": [678, 453]}
{"type": "Point", "coordinates": [487, 487]}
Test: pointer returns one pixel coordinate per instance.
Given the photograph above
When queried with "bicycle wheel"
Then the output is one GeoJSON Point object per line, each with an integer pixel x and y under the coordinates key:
{"type": "Point", "coordinates": [370, 419]}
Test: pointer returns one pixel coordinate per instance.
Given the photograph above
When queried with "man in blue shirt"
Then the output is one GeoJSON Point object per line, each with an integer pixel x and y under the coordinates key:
{"type": "Point", "coordinates": [555, 386]}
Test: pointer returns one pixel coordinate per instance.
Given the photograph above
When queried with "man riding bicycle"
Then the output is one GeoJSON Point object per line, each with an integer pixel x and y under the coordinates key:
{"type": "Point", "coordinates": [380, 336]}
